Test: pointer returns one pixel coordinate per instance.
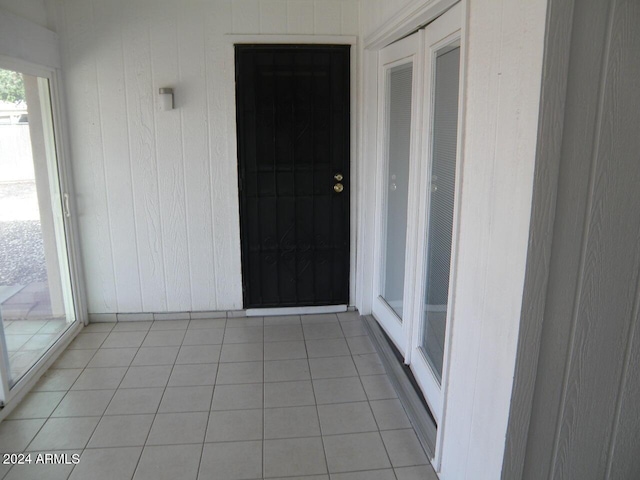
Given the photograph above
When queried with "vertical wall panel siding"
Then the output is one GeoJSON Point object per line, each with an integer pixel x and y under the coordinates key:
{"type": "Point", "coordinates": [299, 16]}
{"type": "Point", "coordinates": [584, 421]}
{"type": "Point", "coordinates": [117, 165]}
{"type": "Point", "coordinates": [327, 16]}
{"type": "Point", "coordinates": [157, 191]}
{"type": "Point", "coordinates": [246, 16]}
{"type": "Point", "coordinates": [196, 155]}
{"type": "Point", "coordinates": [141, 117]}
{"type": "Point", "coordinates": [87, 143]}
{"type": "Point", "coordinates": [273, 16]}
{"type": "Point", "coordinates": [166, 38]}
{"type": "Point", "coordinates": [349, 21]}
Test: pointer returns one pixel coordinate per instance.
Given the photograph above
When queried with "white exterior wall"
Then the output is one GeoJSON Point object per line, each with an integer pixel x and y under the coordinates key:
{"type": "Point", "coordinates": [32, 10]}
{"type": "Point", "coordinates": [157, 191]}
{"type": "Point", "coordinates": [504, 43]}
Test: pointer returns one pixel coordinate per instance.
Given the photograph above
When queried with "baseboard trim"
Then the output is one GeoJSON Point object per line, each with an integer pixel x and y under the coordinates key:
{"type": "Point", "coordinates": [420, 418]}
{"type": "Point", "coordinates": [261, 312]}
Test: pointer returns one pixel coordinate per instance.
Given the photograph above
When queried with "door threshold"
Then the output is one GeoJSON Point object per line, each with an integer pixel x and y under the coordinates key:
{"type": "Point", "coordinates": [406, 388]}
{"type": "Point", "coordinates": [263, 312]}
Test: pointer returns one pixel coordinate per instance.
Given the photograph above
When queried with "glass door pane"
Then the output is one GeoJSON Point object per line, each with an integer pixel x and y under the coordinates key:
{"type": "Point", "coordinates": [399, 92]}
{"type": "Point", "coordinates": [441, 205]}
{"type": "Point", "coordinates": [36, 304]}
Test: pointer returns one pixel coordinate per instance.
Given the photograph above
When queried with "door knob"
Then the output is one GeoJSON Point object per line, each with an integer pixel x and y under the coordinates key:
{"type": "Point", "coordinates": [338, 188]}
{"type": "Point", "coordinates": [338, 177]}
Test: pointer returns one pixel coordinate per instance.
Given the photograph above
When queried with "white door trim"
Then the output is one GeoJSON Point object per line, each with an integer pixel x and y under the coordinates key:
{"type": "Point", "coordinates": [405, 51]}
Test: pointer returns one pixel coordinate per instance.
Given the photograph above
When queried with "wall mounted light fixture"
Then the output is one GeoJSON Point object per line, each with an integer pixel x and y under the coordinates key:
{"type": "Point", "coordinates": [166, 99]}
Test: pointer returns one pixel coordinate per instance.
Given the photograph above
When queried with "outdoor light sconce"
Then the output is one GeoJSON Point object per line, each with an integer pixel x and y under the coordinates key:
{"type": "Point", "coordinates": [166, 99]}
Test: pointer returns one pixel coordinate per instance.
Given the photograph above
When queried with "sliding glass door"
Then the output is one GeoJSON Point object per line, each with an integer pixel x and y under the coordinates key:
{"type": "Point", "coordinates": [36, 300]}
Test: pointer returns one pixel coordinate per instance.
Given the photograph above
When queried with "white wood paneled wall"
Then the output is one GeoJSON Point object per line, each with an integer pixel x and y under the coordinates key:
{"type": "Point", "coordinates": [157, 191]}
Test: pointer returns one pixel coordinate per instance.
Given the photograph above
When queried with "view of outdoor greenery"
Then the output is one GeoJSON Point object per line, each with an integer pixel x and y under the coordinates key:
{"type": "Point", "coordinates": [11, 86]}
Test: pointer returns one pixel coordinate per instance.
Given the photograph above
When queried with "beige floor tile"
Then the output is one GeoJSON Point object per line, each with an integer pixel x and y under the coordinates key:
{"type": "Point", "coordinates": [288, 394]}
{"type": "Point", "coordinates": [209, 336]}
{"type": "Point", "coordinates": [169, 325]}
{"type": "Point", "coordinates": [243, 334]}
{"type": "Point", "coordinates": [15, 435]}
{"type": "Point", "coordinates": [282, 320]}
{"type": "Point", "coordinates": [386, 474]}
{"type": "Point", "coordinates": [164, 338]}
{"type": "Point", "coordinates": [237, 397]}
{"type": "Point", "coordinates": [297, 456]}
{"type": "Point", "coordinates": [74, 358]}
{"type": "Point", "coordinates": [283, 333]}
{"type": "Point", "coordinates": [149, 376]}
{"type": "Point", "coordinates": [205, 323]}
{"type": "Point", "coordinates": [390, 414]}
{"type": "Point", "coordinates": [369, 364]}
{"type": "Point", "coordinates": [88, 341]}
{"type": "Point", "coordinates": [193, 375]}
{"type": "Point", "coordinates": [135, 401]}
{"type": "Point", "coordinates": [242, 372]}
{"type": "Point", "coordinates": [319, 318]}
{"type": "Point", "coordinates": [291, 422]}
{"type": "Point", "coordinates": [37, 405]}
{"type": "Point", "coordinates": [178, 428]}
{"type": "Point", "coordinates": [113, 357]}
{"type": "Point", "coordinates": [355, 452]}
{"type": "Point", "coordinates": [286, 370]}
{"type": "Point", "coordinates": [121, 431]}
{"type": "Point", "coordinates": [360, 345]}
{"type": "Point", "coordinates": [147, 356]}
{"type": "Point", "coordinates": [57, 380]}
{"type": "Point", "coordinates": [338, 390]}
{"type": "Point", "coordinates": [190, 354]}
{"type": "Point", "coordinates": [341, 418]}
{"type": "Point", "coordinates": [169, 462]}
{"type": "Point", "coordinates": [320, 331]}
{"type": "Point", "coordinates": [124, 340]}
{"type": "Point", "coordinates": [64, 433]}
{"type": "Point", "coordinates": [234, 425]}
{"type": "Point", "coordinates": [186, 399]}
{"type": "Point", "coordinates": [242, 352]}
{"type": "Point", "coordinates": [236, 322]}
{"type": "Point", "coordinates": [421, 472]}
{"type": "Point", "coordinates": [84, 403]}
{"type": "Point", "coordinates": [107, 463]}
{"type": "Point", "coordinates": [378, 387]}
{"type": "Point", "coordinates": [100, 378]}
{"type": "Point", "coordinates": [332, 367]}
{"type": "Point", "coordinates": [135, 326]}
{"type": "Point", "coordinates": [404, 448]}
{"type": "Point", "coordinates": [330, 347]}
{"type": "Point", "coordinates": [231, 461]}
{"type": "Point", "coordinates": [284, 350]}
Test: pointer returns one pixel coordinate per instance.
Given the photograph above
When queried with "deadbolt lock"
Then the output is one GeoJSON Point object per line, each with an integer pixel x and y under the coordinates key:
{"type": "Point", "coordinates": [338, 177]}
{"type": "Point", "coordinates": [338, 187]}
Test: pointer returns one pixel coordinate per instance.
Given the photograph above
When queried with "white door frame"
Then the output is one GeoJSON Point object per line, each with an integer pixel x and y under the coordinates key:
{"type": "Point", "coordinates": [405, 51]}
{"type": "Point", "coordinates": [442, 32]}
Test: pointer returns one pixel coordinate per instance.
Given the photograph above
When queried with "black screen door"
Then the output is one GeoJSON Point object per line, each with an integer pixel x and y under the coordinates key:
{"type": "Point", "coordinates": [292, 104]}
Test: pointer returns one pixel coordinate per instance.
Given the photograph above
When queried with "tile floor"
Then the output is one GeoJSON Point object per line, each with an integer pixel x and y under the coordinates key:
{"type": "Point", "coordinates": [30, 327]}
{"type": "Point", "coordinates": [28, 340]}
{"type": "Point", "coordinates": [226, 399]}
